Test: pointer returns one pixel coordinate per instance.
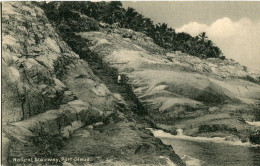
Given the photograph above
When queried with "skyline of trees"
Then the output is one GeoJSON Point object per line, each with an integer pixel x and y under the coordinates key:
{"type": "Point", "coordinates": [113, 12]}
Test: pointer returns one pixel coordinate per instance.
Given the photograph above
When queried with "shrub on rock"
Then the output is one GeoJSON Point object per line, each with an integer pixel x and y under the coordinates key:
{"type": "Point", "coordinates": [255, 137]}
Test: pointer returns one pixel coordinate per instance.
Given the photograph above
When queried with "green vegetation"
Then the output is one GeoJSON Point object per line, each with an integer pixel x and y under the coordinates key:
{"type": "Point", "coordinates": [255, 137]}
{"type": "Point", "coordinates": [47, 144]}
{"type": "Point", "coordinates": [85, 16]}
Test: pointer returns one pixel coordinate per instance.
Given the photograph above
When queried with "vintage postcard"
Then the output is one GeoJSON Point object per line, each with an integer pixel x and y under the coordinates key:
{"type": "Point", "coordinates": [122, 83]}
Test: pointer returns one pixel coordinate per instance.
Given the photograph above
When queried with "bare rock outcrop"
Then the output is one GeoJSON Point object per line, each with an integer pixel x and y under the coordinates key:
{"type": "Point", "coordinates": [49, 93]}
{"type": "Point", "coordinates": [181, 90]}
{"type": "Point", "coordinates": [31, 51]}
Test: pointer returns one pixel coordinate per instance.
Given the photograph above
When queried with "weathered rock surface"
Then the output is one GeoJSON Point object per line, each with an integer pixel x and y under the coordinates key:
{"type": "Point", "coordinates": [31, 51]}
{"type": "Point", "coordinates": [49, 93]}
{"type": "Point", "coordinates": [181, 91]}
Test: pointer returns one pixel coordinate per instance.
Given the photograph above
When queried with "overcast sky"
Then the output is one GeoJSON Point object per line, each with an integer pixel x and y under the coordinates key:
{"type": "Point", "coordinates": [233, 26]}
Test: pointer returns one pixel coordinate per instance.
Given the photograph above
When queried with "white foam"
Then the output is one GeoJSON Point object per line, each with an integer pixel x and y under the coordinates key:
{"type": "Point", "coordinates": [169, 162]}
{"type": "Point", "coordinates": [191, 161]}
{"type": "Point", "coordinates": [256, 123]}
{"type": "Point", "coordinates": [179, 132]}
{"type": "Point", "coordinates": [162, 134]}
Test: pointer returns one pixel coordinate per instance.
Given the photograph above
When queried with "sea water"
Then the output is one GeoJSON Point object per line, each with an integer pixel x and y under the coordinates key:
{"type": "Point", "coordinates": [200, 151]}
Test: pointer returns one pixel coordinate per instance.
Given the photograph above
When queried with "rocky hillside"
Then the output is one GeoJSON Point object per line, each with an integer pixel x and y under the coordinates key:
{"type": "Point", "coordinates": [209, 97]}
{"type": "Point", "coordinates": [205, 97]}
{"type": "Point", "coordinates": [63, 105]}
{"type": "Point", "coordinates": [55, 108]}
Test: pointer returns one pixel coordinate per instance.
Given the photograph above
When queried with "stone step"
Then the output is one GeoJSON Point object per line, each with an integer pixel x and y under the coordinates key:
{"type": "Point", "coordinates": [111, 82]}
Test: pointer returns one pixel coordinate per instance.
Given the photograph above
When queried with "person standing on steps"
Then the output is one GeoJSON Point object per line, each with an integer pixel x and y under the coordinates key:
{"type": "Point", "coordinates": [119, 79]}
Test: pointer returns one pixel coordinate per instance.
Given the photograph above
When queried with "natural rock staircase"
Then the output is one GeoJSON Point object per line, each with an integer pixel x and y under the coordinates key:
{"type": "Point", "coordinates": [108, 75]}
{"type": "Point", "coordinates": [123, 137]}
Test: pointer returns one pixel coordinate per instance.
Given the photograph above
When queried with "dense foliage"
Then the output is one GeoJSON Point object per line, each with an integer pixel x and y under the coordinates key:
{"type": "Point", "coordinates": [113, 12]}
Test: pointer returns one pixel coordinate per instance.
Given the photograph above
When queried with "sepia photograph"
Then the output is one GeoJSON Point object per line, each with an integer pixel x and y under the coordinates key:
{"type": "Point", "coordinates": [130, 83]}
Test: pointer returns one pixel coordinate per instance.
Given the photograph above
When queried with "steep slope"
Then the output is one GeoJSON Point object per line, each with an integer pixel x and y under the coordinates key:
{"type": "Point", "coordinates": [209, 97]}
{"type": "Point", "coordinates": [48, 92]}
{"type": "Point", "coordinates": [31, 49]}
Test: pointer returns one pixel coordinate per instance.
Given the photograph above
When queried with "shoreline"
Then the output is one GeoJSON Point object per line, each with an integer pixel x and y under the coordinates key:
{"type": "Point", "coordinates": [162, 134]}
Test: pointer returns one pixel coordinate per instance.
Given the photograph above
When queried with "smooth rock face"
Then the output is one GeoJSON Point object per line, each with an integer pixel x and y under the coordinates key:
{"type": "Point", "coordinates": [48, 93]}
{"type": "Point", "coordinates": [179, 89]}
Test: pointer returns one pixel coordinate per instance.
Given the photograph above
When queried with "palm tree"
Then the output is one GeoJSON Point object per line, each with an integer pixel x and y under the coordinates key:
{"type": "Point", "coordinates": [115, 12]}
{"type": "Point", "coordinates": [203, 36]}
{"type": "Point", "coordinates": [130, 16]}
